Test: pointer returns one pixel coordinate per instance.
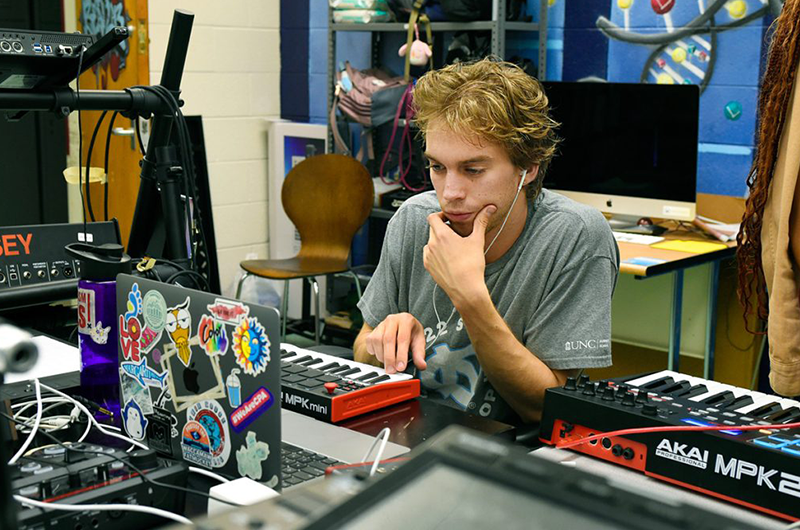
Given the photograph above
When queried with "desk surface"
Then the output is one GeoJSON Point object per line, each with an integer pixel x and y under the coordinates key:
{"type": "Point", "coordinates": [413, 422]}
{"type": "Point", "coordinates": [673, 259]}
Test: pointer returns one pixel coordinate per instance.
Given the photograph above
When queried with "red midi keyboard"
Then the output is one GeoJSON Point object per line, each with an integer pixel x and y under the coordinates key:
{"type": "Point", "coordinates": [757, 467]}
{"type": "Point", "coordinates": [333, 389]}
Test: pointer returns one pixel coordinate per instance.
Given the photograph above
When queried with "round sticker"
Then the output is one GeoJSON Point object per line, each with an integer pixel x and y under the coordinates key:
{"type": "Point", "coordinates": [212, 417]}
{"type": "Point", "coordinates": [154, 310]}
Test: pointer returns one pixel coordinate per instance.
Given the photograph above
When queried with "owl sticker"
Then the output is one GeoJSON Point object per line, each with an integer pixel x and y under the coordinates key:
{"type": "Point", "coordinates": [178, 326]}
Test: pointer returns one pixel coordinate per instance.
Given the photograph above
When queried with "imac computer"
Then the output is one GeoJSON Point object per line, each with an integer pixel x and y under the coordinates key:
{"type": "Point", "coordinates": [629, 150]}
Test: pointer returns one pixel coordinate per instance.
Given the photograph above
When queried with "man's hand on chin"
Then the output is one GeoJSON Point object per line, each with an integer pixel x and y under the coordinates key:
{"type": "Point", "coordinates": [456, 263]}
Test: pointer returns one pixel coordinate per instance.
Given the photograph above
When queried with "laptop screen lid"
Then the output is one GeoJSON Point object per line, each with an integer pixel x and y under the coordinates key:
{"type": "Point", "coordinates": [200, 377]}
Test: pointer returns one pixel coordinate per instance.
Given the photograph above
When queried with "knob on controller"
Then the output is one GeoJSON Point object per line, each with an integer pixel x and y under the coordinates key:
{"type": "Point", "coordinates": [331, 387]}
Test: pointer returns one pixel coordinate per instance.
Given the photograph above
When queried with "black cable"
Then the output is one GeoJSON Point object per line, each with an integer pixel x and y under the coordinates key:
{"type": "Point", "coordinates": [139, 135]}
{"type": "Point", "coordinates": [188, 272]}
{"type": "Point", "coordinates": [80, 136]}
{"type": "Point", "coordinates": [190, 188]}
{"type": "Point", "coordinates": [89, 163]}
{"type": "Point", "coordinates": [105, 164]}
{"type": "Point", "coordinates": [141, 473]}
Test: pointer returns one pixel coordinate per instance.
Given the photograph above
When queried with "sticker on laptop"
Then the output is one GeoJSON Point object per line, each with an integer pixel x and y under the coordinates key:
{"type": "Point", "coordinates": [143, 374]}
{"type": "Point", "coordinates": [129, 332]}
{"type": "Point", "coordinates": [251, 346]}
{"type": "Point", "coordinates": [212, 335]}
{"type": "Point", "coordinates": [178, 324]}
{"type": "Point", "coordinates": [233, 386]}
{"type": "Point", "coordinates": [154, 311]}
{"type": "Point", "coordinates": [252, 408]}
{"type": "Point", "coordinates": [211, 416]}
{"type": "Point", "coordinates": [161, 430]}
{"type": "Point", "coordinates": [133, 391]}
{"type": "Point", "coordinates": [134, 420]}
{"type": "Point", "coordinates": [196, 444]}
{"type": "Point", "coordinates": [201, 380]}
{"type": "Point", "coordinates": [148, 339]}
{"type": "Point", "coordinates": [250, 455]}
{"type": "Point", "coordinates": [134, 303]}
{"type": "Point", "coordinates": [228, 311]}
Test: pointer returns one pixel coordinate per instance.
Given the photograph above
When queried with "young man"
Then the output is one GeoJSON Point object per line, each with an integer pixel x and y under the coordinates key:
{"type": "Point", "coordinates": [495, 293]}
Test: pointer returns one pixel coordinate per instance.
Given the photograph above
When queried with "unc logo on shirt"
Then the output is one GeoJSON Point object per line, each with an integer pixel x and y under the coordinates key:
{"type": "Point", "coordinates": [591, 344]}
{"type": "Point", "coordinates": [453, 374]}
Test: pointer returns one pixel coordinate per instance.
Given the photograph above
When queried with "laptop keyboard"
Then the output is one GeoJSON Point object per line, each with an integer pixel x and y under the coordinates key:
{"type": "Point", "coordinates": [299, 465]}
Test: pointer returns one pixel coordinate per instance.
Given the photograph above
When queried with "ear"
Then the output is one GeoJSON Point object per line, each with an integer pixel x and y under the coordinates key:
{"type": "Point", "coordinates": [402, 51]}
{"type": "Point", "coordinates": [533, 171]}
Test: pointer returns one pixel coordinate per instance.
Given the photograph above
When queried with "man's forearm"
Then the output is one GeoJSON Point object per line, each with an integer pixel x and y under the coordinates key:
{"type": "Point", "coordinates": [518, 375]}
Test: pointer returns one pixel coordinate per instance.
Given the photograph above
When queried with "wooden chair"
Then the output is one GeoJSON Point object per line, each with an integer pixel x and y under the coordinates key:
{"type": "Point", "coordinates": [328, 198]}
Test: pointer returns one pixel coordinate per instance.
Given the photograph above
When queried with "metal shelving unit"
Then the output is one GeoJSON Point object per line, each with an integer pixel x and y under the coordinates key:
{"type": "Point", "coordinates": [498, 26]}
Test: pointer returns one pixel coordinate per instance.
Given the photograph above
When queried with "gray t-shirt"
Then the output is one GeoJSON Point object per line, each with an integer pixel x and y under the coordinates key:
{"type": "Point", "coordinates": [553, 288]}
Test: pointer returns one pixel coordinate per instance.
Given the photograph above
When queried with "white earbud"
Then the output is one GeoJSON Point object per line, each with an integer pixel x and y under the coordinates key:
{"type": "Point", "coordinates": [522, 179]}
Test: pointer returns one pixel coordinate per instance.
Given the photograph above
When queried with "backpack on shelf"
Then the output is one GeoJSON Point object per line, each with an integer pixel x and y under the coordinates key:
{"type": "Point", "coordinates": [367, 97]}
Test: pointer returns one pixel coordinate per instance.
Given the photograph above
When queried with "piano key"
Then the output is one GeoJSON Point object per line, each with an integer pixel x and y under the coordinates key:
{"type": "Point", "coordinates": [782, 415]}
{"type": "Point", "coordinates": [765, 410]}
{"type": "Point", "coordinates": [384, 377]}
{"type": "Point", "coordinates": [793, 416]}
{"type": "Point", "coordinates": [350, 371]}
{"type": "Point", "coordinates": [758, 401]}
{"type": "Point", "coordinates": [694, 390]}
{"type": "Point", "coordinates": [719, 397]}
{"type": "Point", "coordinates": [310, 362]}
{"type": "Point", "coordinates": [328, 366]}
{"type": "Point", "coordinates": [736, 402]}
{"type": "Point", "coordinates": [302, 359]}
{"type": "Point", "coordinates": [651, 377]}
{"type": "Point", "coordinates": [285, 354]}
{"type": "Point", "coordinates": [657, 384]}
{"type": "Point", "coordinates": [675, 388]}
{"type": "Point", "coordinates": [338, 370]}
{"type": "Point", "coordinates": [367, 377]}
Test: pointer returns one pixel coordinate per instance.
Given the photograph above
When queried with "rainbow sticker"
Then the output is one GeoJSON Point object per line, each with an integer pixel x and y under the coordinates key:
{"type": "Point", "coordinates": [251, 346]}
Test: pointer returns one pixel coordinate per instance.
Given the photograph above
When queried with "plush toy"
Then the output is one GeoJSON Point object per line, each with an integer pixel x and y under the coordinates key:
{"type": "Point", "coordinates": [420, 52]}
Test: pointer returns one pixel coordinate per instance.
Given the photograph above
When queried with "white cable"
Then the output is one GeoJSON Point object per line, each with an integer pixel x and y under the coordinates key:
{"type": "Point", "coordinates": [35, 428]}
{"type": "Point", "coordinates": [103, 507]}
{"type": "Point", "coordinates": [385, 432]}
{"type": "Point", "coordinates": [93, 421]}
{"type": "Point", "coordinates": [794, 526]}
{"type": "Point", "coordinates": [27, 404]}
{"type": "Point", "coordinates": [207, 473]}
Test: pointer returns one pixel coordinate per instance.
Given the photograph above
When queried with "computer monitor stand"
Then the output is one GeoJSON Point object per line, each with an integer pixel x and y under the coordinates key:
{"type": "Point", "coordinates": [635, 225]}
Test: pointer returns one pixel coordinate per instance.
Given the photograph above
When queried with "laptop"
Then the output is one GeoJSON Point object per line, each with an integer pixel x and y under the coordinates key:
{"type": "Point", "coordinates": [200, 381]}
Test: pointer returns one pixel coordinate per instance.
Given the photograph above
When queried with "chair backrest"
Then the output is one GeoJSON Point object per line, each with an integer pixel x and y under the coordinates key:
{"type": "Point", "coordinates": [327, 197]}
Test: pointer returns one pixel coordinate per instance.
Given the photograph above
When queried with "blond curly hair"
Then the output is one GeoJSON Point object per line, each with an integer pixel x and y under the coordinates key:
{"type": "Point", "coordinates": [495, 101]}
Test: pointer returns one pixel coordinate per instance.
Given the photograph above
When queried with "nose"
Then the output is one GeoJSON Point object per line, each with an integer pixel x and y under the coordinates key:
{"type": "Point", "coordinates": [454, 187]}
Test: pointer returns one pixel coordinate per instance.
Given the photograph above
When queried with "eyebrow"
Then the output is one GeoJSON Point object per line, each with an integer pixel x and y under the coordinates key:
{"type": "Point", "coordinates": [474, 160]}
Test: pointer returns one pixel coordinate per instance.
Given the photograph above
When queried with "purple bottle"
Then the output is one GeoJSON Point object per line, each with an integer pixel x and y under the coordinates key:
{"type": "Point", "coordinates": [97, 322]}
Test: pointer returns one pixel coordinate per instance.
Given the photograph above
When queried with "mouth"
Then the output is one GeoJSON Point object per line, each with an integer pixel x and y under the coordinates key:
{"type": "Point", "coordinates": [458, 217]}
